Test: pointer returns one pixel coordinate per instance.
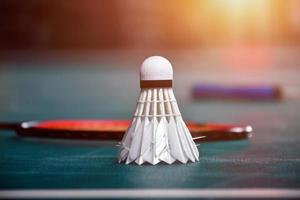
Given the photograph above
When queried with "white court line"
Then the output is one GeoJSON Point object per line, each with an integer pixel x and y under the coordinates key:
{"type": "Point", "coordinates": [152, 193]}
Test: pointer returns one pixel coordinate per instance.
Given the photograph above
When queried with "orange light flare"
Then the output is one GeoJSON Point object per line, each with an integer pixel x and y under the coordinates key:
{"type": "Point", "coordinates": [249, 57]}
{"type": "Point", "coordinates": [247, 32]}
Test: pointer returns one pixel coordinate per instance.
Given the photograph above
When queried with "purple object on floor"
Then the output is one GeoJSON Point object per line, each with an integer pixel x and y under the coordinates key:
{"type": "Point", "coordinates": [220, 92]}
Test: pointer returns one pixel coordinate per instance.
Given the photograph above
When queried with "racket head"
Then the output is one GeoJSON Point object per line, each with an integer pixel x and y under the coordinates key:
{"type": "Point", "coordinates": [115, 129]}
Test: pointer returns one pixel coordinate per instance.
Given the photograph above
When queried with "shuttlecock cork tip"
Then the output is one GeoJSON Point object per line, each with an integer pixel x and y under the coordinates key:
{"type": "Point", "coordinates": [156, 68]}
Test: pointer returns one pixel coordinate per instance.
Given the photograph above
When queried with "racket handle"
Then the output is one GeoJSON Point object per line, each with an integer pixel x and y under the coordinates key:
{"type": "Point", "coordinates": [209, 91]}
{"type": "Point", "coordinates": [9, 125]}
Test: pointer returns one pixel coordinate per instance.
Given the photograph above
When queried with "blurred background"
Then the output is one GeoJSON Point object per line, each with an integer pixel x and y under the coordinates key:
{"type": "Point", "coordinates": [42, 25]}
{"type": "Point", "coordinates": [80, 59]}
{"type": "Point", "coordinates": [66, 54]}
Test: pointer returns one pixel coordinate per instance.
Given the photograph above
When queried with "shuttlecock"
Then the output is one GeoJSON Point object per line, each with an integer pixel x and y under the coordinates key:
{"type": "Point", "coordinates": [157, 132]}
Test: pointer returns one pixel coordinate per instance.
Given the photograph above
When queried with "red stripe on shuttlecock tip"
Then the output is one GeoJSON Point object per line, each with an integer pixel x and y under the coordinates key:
{"type": "Point", "coordinates": [156, 83]}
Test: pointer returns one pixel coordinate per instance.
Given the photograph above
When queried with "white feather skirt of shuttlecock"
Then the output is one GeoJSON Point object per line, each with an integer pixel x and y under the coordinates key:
{"type": "Point", "coordinates": [157, 132]}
